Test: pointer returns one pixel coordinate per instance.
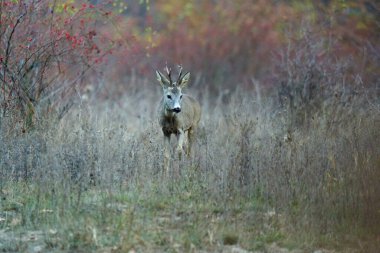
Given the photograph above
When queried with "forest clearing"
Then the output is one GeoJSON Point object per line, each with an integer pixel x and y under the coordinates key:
{"type": "Point", "coordinates": [285, 157]}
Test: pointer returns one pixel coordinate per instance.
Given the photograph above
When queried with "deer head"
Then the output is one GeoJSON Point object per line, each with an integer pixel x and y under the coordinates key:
{"type": "Point", "coordinates": [172, 90]}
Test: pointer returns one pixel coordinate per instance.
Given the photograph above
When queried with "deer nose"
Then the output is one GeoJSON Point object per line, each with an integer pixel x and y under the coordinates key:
{"type": "Point", "coordinates": [177, 109]}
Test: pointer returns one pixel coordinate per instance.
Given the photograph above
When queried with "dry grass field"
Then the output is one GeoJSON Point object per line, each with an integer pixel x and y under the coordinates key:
{"type": "Point", "coordinates": [264, 177]}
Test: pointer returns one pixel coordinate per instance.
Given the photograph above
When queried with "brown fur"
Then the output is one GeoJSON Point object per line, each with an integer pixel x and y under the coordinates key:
{"type": "Point", "coordinates": [178, 114]}
{"type": "Point", "coordinates": [187, 119]}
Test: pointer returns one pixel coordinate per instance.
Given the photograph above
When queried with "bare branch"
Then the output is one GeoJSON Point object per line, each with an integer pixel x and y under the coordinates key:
{"type": "Point", "coordinates": [7, 52]}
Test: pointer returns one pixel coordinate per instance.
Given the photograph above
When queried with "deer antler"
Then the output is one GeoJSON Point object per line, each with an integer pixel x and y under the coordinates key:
{"type": "Point", "coordinates": [169, 73]}
{"type": "Point", "coordinates": [180, 74]}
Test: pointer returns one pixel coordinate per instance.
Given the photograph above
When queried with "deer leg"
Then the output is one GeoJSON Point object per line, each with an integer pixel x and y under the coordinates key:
{"type": "Point", "coordinates": [166, 152]}
{"type": "Point", "coordinates": [180, 137]}
{"type": "Point", "coordinates": [190, 137]}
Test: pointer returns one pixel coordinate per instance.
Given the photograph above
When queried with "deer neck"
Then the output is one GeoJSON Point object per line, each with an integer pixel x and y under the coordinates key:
{"type": "Point", "coordinates": [169, 113]}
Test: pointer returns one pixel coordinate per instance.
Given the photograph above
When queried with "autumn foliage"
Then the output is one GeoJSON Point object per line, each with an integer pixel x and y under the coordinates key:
{"type": "Point", "coordinates": [228, 42]}
{"type": "Point", "coordinates": [50, 50]}
{"type": "Point", "coordinates": [47, 50]}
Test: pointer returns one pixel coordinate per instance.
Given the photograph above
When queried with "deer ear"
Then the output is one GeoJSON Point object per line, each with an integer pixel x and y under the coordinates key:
{"type": "Point", "coordinates": [184, 80]}
{"type": "Point", "coordinates": [162, 79]}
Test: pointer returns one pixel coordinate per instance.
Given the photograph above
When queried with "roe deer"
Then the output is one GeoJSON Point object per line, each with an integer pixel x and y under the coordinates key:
{"type": "Point", "coordinates": [178, 113]}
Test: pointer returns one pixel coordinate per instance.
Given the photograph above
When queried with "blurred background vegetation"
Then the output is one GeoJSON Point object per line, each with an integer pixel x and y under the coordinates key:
{"type": "Point", "coordinates": [227, 43]}
{"type": "Point", "coordinates": [224, 44]}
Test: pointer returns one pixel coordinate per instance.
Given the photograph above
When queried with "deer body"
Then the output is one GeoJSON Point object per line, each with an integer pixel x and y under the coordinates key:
{"type": "Point", "coordinates": [185, 120]}
{"type": "Point", "coordinates": [178, 113]}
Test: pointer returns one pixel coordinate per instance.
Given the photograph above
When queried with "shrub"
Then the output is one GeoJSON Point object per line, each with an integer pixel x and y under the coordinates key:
{"type": "Point", "coordinates": [48, 49]}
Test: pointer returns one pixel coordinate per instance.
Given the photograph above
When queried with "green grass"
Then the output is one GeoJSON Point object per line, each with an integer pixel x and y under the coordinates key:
{"type": "Point", "coordinates": [175, 221]}
{"type": "Point", "coordinates": [159, 220]}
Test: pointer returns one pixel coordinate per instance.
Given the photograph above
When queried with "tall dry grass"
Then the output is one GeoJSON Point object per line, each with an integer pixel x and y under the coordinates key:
{"type": "Point", "coordinates": [322, 172]}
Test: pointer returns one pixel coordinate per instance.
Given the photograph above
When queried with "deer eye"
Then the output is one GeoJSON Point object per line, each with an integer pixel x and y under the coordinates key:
{"type": "Point", "coordinates": [169, 97]}
{"type": "Point", "coordinates": [180, 97]}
